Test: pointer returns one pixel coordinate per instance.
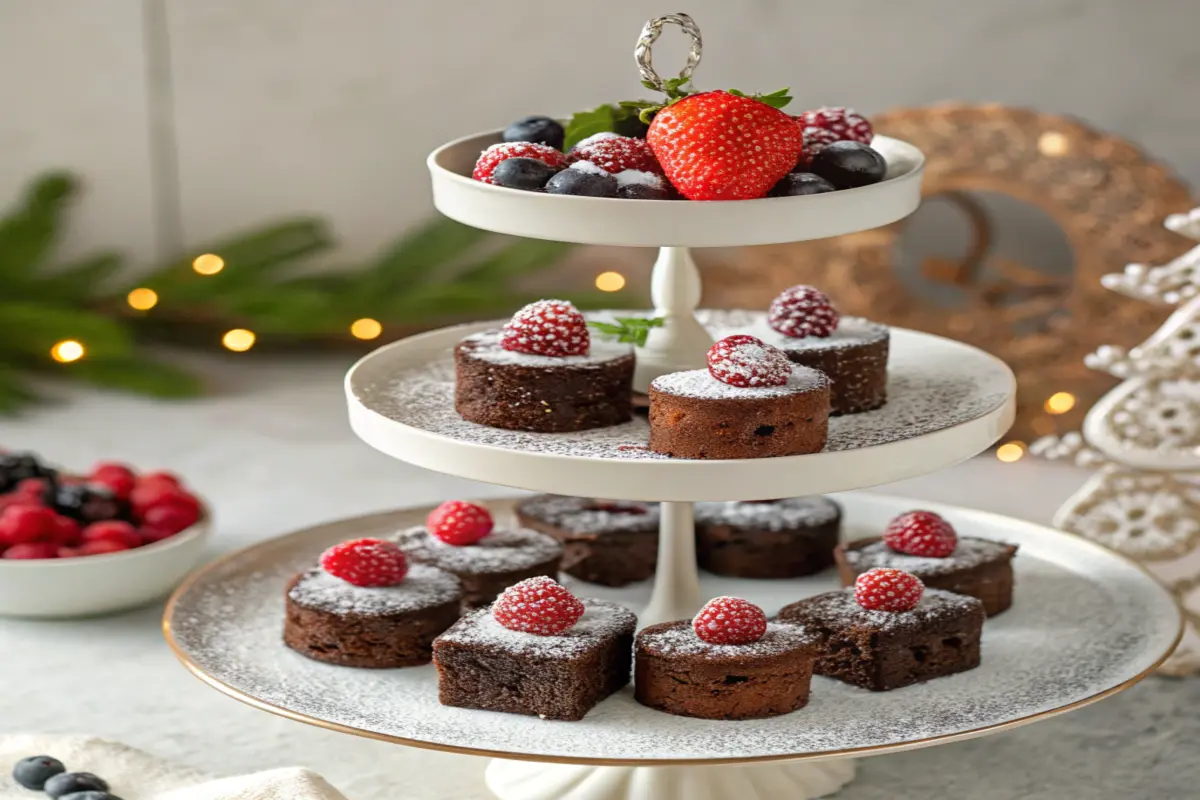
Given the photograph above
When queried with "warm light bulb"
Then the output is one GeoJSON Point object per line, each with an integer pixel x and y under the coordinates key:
{"type": "Point", "coordinates": [1060, 403]}
{"type": "Point", "coordinates": [366, 328]}
{"type": "Point", "coordinates": [1010, 452]}
{"type": "Point", "coordinates": [67, 351]}
{"type": "Point", "coordinates": [239, 340]}
{"type": "Point", "coordinates": [142, 299]}
{"type": "Point", "coordinates": [610, 281]}
{"type": "Point", "coordinates": [208, 264]}
{"type": "Point", "coordinates": [1053, 143]}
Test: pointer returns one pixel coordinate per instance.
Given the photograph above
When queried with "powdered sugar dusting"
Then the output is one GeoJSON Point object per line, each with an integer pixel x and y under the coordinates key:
{"type": "Point", "coordinates": [595, 137]}
{"type": "Point", "coordinates": [850, 332]}
{"type": "Point", "coordinates": [681, 640]}
{"type": "Point", "coordinates": [588, 167]}
{"type": "Point", "coordinates": [423, 587]}
{"type": "Point", "coordinates": [840, 610]}
{"type": "Point", "coordinates": [499, 551]}
{"type": "Point", "coordinates": [600, 619]}
{"type": "Point", "coordinates": [487, 348]}
{"type": "Point", "coordinates": [777, 515]}
{"type": "Point", "coordinates": [968, 553]}
{"type": "Point", "coordinates": [629, 177]}
{"type": "Point", "coordinates": [584, 515]}
{"type": "Point", "coordinates": [700, 383]}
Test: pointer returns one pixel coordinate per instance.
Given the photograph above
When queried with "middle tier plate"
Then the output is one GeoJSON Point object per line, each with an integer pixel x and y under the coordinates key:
{"type": "Point", "coordinates": [947, 402]}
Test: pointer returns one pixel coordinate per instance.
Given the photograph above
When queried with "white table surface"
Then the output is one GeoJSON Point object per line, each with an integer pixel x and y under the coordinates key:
{"type": "Point", "coordinates": [272, 452]}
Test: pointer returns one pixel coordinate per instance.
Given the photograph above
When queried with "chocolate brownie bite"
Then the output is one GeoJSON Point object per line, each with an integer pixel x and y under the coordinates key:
{"type": "Point", "coordinates": [609, 542]}
{"type": "Point", "coordinates": [570, 655]}
{"type": "Point", "coordinates": [767, 538]}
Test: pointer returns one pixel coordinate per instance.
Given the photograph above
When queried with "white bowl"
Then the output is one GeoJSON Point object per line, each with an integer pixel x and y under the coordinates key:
{"type": "Point", "coordinates": [92, 585]}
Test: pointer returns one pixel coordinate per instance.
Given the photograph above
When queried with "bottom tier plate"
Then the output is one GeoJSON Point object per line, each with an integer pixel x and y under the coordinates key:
{"type": "Point", "coordinates": [1085, 623]}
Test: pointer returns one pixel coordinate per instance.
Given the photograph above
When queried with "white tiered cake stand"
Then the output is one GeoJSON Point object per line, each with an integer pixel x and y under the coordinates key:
{"type": "Point", "coordinates": [1086, 622]}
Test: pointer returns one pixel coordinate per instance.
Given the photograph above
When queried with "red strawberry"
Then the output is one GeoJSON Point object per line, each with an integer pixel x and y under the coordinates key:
{"type": "Point", "coordinates": [459, 523]}
{"type": "Point", "coordinates": [883, 589]}
{"type": "Point", "coordinates": [815, 140]}
{"type": "Point", "coordinates": [921, 533]}
{"type": "Point", "coordinates": [720, 146]}
{"type": "Point", "coordinates": [845, 123]}
{"type": "Point", "coordinates": [112, 530]}
{"type": "Point", "coordinates": [490, 158]}
{"type": "Point", "coordinates": [366, 562]}
{"type": "Point", "coordinates": [537, 605]}
{"type": "Point", "coordinates": [802, 311]}
{"type": "Point", "coordinates": [615, 154]}
{"type": "Point", "coordinates": [547, 328]}
{"type": "Point", "coordinates": [31, 550]}
{"type": "Point", "coordinates": [742, 360]}
{"type": "Point", "coordinates": [730, 620]}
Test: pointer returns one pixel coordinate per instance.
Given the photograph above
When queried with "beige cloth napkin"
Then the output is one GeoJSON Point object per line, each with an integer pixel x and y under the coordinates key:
{"type": "Point", "coordinates": [135, 775]}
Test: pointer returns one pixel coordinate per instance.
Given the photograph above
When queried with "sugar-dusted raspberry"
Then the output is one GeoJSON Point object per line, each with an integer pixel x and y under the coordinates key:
{"type": "Point", "coordinates": [745, 361]}
{"type": "Point", "coordinates": [802, 311]}
{"type": "Point", "coordinates": [491, 158]}
{"type": "Point", "coordinates": [813, 141]}
{"type": "Point", "coordinates": [884, 589]}
{"type": "Point", "coordinates": [846, 123]}
{"type": "Point", "coordinates": [547, 328]}
{"type": "Point", "coordinates": [366, 562]}
{"type": "Point", "coordinates": [537, 605]}
{"type": "Point", "coordinates": [921, 533]}
{"type": "Point", "coordinates": [615, 154]}
{"type": "Point", "coordinates": [459, 523]}
{"type": "Point", "coordinates": [730, 620]}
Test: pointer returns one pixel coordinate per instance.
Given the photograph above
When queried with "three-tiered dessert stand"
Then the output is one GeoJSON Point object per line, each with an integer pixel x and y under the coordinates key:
{"type": "Point", "coordinates": [1086, 623]}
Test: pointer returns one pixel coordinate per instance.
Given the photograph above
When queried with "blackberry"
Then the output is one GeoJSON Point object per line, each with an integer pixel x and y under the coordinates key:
{"type": "Point", "coordinates": [85, 502]}
{"type": "Point", "coordinates": [16, 467]}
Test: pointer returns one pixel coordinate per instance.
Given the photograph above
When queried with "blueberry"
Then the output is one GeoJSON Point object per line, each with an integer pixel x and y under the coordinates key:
{"type": "Point", "coordinates": [16, 467]}
{"type": "Point", "coordinates": [33, 772]}
{"type": "Point", "coordinates": [74, 782]}
{"type": "Point", "coordinates": [849, 164]}
{"type": "Point", "coordinates": [89, 796]}
{"type": "Point", "coordinates": [644, 191]}
{"type": "Point", "coordinates": [541, 130]}
{"type": "Point", "coordinates": [797, 184]}
{"type": "Point", "coordinates": [579, 182]}
{"type": "Point", "coordinates": [85, 502]}
{"type": "Point", "coordinates": [522, 173]}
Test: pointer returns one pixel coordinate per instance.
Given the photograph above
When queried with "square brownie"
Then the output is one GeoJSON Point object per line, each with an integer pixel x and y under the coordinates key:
{"type": "Point", "coordinates": [481, 664]}
{"type": "Point", "coordinates": [882, 650]}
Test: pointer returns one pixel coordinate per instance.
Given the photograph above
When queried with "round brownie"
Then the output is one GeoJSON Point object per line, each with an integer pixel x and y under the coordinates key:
{"type": "Point", "coordinates": [854, 356]}
{"type": "Point", "coordinates": [331, 620]}
{"type": "Point", "coordinates": [549, 394]}
{"type": "Point", "coordinates": [609, 542]}
{"type": "Point", "coordinates": [489, 566]}
{"type": "Point", "coordinates": [767, 538]}
{"type": "Point", "coordinates": [694, 415]}
{"type": "Point", "coordinates": [978, 568]}
{"type": "Point", "coordinates": [677, 672]}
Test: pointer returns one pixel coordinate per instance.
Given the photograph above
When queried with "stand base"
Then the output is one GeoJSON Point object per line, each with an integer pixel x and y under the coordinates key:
{"type": "Point", "coordinates": [797, 780]}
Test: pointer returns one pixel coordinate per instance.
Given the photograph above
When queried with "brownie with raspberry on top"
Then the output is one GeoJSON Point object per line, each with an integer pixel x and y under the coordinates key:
{"type": "Point", "coordinates": [926, 545]}
{"type": "Point", "coordinates": [609, 542]}
{"type": "Point", "coordinates": [461, 538]}
{"type": "Point", "coordinates": [889, 631]}
{"type": "Point", "coordinates": [751, 402]}
{"type": "Point", "coordinates": [728, 662]}
{"type": "Point", "coordinates": [366, 606]}
{"type": "Point", "coordinates": [543, 372]}
{"type": "Point", "coordinates": [539, 650]}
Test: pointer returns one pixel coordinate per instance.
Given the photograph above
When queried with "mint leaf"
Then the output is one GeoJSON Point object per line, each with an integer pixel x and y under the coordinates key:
{"type": "Point", "coordinates": [583, 124]}
{"type": "Point", "coordinates": [633, 330]}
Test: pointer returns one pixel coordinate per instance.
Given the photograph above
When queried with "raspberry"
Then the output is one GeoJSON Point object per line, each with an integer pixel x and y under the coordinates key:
{"type": "Point", "coordinates": [170, 517]}
{"type": "Point", "coordinates": [459, 523]}
{"type": "Point", "coordinates": [69, 552]}
{"type": "Point", "coordinates": [742, 360]}
{"type": "Point", "coordinates": [66, 531]}
{"type": "Point", "coordinates": [102, 547]}
{"type": "Point", "coordinates": [921, 533]}
{"type": "Point", "coordinates": [25, 524]}
{"type": "Point", "coordinates": [112, 530]}
{"type": "Point", "coordinates": [537, 605]}
{"type": "Point", "coordinates": [117, 478]}
{"type": "Point", "coordinates": [160, 477]}
{"type": "Point", "coordinates": [33, 488]}
{"type": "Point", "coordinates": [366, 562]}
{"type": "Point", "coordinates": [846, 123]}
{"type": "Point", "coordinates": [730, 620]}
{"type": "Point", "coordinates": [814, 141]}
{"type": "Point", "coordinates": [547, 328]}
{"type": "Point", "coordinates": [146, 496]}
{"type": "Point", "coordinates": [615, 154]}
{"type": "Point", "coordinates": [491, 158]}
{"type": "Point", "coordinates": [30, 550]}
{"type": "Point", "coordinates": [883, 589]}
{"type": "Point", "coordinates": [802, 311]}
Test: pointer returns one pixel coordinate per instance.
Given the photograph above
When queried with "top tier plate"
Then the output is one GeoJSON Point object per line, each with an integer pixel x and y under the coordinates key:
{"type": "Point", "coordinates": [679, 223]}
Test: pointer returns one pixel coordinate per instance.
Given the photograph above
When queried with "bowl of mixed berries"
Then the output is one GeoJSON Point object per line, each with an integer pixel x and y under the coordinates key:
{"type": "Point", "coordinates": [84, 544]}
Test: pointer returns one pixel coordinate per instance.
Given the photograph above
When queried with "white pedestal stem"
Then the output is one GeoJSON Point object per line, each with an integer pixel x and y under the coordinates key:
{"type": "Point", "coordinates": [681, 343]}
{"type": "Point", "coordinates": [676, 580]}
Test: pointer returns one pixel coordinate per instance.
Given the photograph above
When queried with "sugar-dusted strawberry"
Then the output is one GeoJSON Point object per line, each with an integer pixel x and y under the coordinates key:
{"type": "Point", "coordinates": [537, 605]}
{"type": "Point", "coordinates": [921, 533]}
{"type": "Point", "coordinates": [723, 146]}
{"type": "Point", "coordinates": [547, 328]}
{"type": "Point", "coordinates": [615, 154]}
{"type": "Point", "coordinates": [802, 311]}
{"type": "Point", "coordinates": [459, 523]}
{"type": "Point", "coordinates": [730, 620]}
{"type": "Point", "coordinates": [844, 123]}
{"type": "Point", "coordinates": [746, 361]}
{"type": "Point", "coordinates": [884, 589]}
{"type": "Point", "coordinates": [491, 158]}
{"type": "Point", "coordinates": [366, 562]}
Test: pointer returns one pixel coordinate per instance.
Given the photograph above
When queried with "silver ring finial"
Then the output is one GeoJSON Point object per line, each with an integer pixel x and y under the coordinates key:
{"type": "Point", "coordinates": [650, 34]}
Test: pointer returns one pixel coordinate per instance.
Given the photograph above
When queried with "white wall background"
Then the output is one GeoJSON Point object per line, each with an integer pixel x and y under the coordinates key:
{"type": "Point", "coordinates": [192, 118]}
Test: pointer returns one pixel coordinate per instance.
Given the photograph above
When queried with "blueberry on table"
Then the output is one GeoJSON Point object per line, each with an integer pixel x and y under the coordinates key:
{"type": "Point", "coordinates": [70, 783]}
{"type": "Point", "coordinates": [541, 130]}
{"type": "Point", "coordinates": [589, 183]}
{"type": "Point", "coordinates": [848, 165]}
{"type": "Point", "coordinates": [798, 184]}
{"type": "Point", "coordinates": [522, 173]}
{"type": "Point", "coordinates": [33, 772]}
